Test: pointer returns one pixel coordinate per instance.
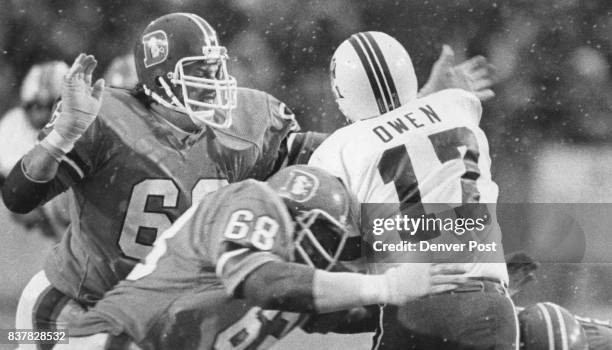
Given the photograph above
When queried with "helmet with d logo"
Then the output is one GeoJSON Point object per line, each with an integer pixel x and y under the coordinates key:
{"type": "Point", "coordinates": [167, 47]}
{"type": "Point", "coordinates": [323, 209]}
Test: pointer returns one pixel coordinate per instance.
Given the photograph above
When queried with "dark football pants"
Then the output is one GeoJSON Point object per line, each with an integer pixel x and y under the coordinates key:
{"type": "Point", "coordinates": [479, 315]}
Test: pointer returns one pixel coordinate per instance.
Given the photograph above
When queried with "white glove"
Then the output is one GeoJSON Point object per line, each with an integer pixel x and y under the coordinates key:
{"type": "Point", "coordinates": [80, 105]}
{"type": "Point", "coordinates": [410, 281]}
{"type": "Point", "coordinates": [476, 75]}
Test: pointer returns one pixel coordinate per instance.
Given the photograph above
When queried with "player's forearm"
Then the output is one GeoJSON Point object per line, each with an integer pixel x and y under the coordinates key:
{"type": "Point", "coordinates": [335, 291]}
{"type": "Point", "coordinates": [29, 181]}
{"type": "Point", "coordinates": [299, 288]}
{"type": "Point", "coordinates": [39, 165]}
{"type": "Point", "coordinates": [281, 286]}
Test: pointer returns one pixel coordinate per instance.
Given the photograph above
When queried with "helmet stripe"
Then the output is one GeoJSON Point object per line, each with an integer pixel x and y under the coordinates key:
{"type": "Point", "coordinates": [369, 69]}
{"type": "Point", "coordinates": [385, 69]}
{"type": "Point", "coordinates": [549, 326]}
{"type": "Point", "coordinates": [211, 31]}
{"type": "Point", "coordinates": [377, 70]}
{"type": "Point", "coordinates": [194, 19]}
{"type": "Point", "coordinates": [562, 326]}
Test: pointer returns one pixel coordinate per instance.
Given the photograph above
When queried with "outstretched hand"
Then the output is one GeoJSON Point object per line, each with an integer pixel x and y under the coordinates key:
{"type": "Point", "coordinates": [476, 75]}
{"type": "Point", "coordinates": [81, 101]}
{"type": "Point", "coordinates": [409, 281]}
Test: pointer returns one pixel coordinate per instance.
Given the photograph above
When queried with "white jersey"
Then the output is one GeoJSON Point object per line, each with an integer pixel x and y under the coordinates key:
{"type": "Point", "coordinates": [429, 151]}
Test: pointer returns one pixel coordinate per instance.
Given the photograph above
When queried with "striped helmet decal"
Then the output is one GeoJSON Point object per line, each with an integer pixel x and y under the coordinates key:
{"type": "Point", "coordinates": [390, 84]}
{"type": "Point", "coordinates": [377, 71]}
{"type": "Point", "coordinates": [210, 36]}
{"type": "Point", "coordinates": [555, 326]}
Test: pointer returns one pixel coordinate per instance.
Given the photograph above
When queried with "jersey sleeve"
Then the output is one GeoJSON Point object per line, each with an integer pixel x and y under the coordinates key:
{"type": "Point", "coordinates": [83, 158]}
{"type": "Point", "coordinates": [302, 145]}
{"type": "Point", "coordinates": [250, 229]}
{"type": "Point", "coordinates": [281, 124]}
{"type": "Point", "coordinates": [465, 101]}
{"type": "Point", "coordinates": [21, 194]}
{"type": "Point", "coordinates": [297, 148]}
{"type": "Point", "coordinates": [328, 156]}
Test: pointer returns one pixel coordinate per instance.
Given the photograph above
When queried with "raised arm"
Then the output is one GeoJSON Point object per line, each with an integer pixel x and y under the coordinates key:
{"type": "Point", "coordinates": [31, 181]}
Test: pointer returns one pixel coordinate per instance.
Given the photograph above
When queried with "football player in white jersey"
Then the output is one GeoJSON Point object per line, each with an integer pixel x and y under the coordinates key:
{"type": "Point", "coordinates": [412, 152]}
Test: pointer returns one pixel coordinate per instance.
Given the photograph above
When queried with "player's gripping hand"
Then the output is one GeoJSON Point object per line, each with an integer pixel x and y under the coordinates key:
{"type": "Point", "coordinates": [80, 105]}
{"type": "Point", "coordinates": [410, 281]}
{"type": "Point", "coordinates": [476, 75]}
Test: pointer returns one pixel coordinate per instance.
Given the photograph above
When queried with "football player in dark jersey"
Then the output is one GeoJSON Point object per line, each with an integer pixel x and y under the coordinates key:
{"type": "Point", "coordinates": [228, 267]}
{"type": "Point", "coordinates": [137, 159]}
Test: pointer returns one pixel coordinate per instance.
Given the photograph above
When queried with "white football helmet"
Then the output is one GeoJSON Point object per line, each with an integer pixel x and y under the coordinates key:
{"type": "Point", "coordinates": [371, 74]}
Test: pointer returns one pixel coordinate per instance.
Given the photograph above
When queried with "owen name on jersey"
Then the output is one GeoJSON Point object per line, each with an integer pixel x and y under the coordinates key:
{"type": "Point", "coordinates": [386, 131]}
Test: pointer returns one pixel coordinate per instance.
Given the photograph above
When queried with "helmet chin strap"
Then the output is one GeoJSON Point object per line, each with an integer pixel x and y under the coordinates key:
{"type": "Point", "coordinates": [161, 101]}
{"type": "Point", "coordinates": [170, 94]}
{"type": "Point", "coordinates": [176, 105]}
{"type": "Point", "coordinates": [195, 116]}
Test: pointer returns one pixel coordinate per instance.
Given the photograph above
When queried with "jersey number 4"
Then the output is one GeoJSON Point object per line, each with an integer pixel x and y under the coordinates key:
{"type": "Point", "coordinates": [142, 224]}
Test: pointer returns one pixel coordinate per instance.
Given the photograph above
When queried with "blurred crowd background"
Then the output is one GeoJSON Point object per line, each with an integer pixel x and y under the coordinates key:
{"type": "Point", "coordinates": [550, 126]}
